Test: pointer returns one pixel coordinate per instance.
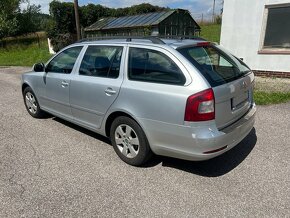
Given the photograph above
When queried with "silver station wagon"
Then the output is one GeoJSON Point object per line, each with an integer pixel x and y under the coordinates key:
{"type": "Point", "coordinates": [183, 98]}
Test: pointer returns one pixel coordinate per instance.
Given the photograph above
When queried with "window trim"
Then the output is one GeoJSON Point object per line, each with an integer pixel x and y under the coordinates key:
{"type": "Point", "coordinates": [61, 51]}
{"type": "Point", "coordinates": [267, 51]}
{"type": "Point", "coordinates": [171, 56]}
{"type": "Point", "coordinates": [101, 45]}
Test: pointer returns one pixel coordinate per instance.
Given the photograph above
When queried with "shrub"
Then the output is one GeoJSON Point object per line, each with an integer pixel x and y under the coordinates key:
{"type": "Point", "coordinates": [60, 41]}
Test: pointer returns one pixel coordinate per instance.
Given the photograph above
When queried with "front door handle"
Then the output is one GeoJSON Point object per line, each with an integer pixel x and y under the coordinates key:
{"type": "Point", "coordinates": [109, 91]}
{"type": "Point", "coordinates": [64, 84]}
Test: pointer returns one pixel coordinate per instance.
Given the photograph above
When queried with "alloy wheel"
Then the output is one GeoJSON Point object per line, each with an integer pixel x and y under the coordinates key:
{"type": "Point", "coordinates": [30, 102]}
{"type": "Point", "coordinates": [127, 141]}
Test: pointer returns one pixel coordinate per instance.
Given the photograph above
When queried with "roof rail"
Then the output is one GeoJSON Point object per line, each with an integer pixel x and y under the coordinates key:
{"type": "Point", "coordinates": [153, 39]}
{"type": "Point", "coordinates": [181, 37]}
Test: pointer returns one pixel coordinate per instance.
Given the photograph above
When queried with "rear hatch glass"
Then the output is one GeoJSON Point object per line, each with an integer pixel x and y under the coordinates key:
{"type": "Point", "coordinates": [232, 81]}
{"type": "Point", "coordinates": [217, 66]}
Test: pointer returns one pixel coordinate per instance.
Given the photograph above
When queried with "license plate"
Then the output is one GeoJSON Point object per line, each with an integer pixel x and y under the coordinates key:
{"type": "Point", "coordinates": [240, 100]}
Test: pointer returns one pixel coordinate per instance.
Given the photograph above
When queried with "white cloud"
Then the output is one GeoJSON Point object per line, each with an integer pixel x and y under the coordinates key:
{"type": "Point", "coordinates": [43, 3]}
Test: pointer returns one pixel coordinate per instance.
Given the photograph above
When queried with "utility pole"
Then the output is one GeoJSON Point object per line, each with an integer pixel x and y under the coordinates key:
{"type": "Point", "coordinates": [213, 9]}
{"type": "Point", "coordinates": [76, 6]}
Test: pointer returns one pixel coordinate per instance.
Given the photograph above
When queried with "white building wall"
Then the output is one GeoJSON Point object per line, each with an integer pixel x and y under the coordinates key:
{"type": "Point", "coordinates": [242, 34]}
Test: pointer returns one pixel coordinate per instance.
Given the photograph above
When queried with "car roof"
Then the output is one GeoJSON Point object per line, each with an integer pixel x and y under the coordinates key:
{"type": "Point", "coordinates": [174, 43]}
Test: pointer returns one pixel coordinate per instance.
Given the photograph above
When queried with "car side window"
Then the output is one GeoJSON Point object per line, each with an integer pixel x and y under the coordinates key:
{"type": "Point", "coordinates": [101, 61]}
{"type": "Point", "coordinates": [64, 61]}
{"type": "Point", "coordinates": [153, 66]}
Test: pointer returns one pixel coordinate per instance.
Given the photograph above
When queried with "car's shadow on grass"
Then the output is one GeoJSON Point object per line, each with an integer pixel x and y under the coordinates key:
{"type": "Point", "coordinates": [211, 168]}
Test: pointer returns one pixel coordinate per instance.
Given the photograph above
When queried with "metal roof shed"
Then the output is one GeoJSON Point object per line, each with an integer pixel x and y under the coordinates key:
{"type": "Point", "coordinates": [169, 22]}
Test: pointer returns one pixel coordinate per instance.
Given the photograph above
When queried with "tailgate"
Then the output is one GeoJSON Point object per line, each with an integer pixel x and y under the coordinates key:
{"type": "Point", "coordinates": [233, 100]}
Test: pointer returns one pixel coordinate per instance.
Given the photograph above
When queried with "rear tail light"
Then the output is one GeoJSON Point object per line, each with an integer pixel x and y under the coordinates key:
{"type": "Point", "coordinates": [200, 106]}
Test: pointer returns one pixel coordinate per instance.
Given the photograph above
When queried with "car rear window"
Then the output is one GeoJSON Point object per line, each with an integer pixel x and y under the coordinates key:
{"type": "Point", "coordinates": [217, 66]}
{"type": "Point", "coordinates": [149, 65]}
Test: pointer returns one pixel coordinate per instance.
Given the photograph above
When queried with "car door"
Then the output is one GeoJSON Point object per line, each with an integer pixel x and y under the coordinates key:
{"type": "Point", "coordinates": [57, 82]}
{"type": "Point", "coordinates": [96, 85]}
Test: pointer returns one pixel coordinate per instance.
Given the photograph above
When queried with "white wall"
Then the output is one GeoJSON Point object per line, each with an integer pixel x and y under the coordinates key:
{"type": "Point", "coordinates": [242, 32]}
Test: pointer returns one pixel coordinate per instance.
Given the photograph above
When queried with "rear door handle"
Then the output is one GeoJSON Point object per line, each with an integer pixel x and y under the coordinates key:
{"type": "Point", "coordinates": [64, 84]}
{"type": "Point", "coordinates": [109, 91]}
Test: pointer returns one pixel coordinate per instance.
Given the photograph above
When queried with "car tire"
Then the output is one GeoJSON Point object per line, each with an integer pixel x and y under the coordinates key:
{"type": "Point", "coordinates": [31, 104]}
{"type": "Point", "coordinates": [129, 141]}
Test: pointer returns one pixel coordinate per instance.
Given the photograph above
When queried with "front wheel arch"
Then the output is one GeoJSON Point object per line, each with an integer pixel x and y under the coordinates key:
{"type": "Point", "coordinates": [24, 86]}
{"type": "Point", "coordinates": [38, 113]}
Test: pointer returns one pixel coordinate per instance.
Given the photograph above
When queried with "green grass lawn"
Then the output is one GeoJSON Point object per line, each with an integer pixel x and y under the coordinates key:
{"type": "Point", "coordinates": [211, 32]}
{"type": "Point", "coordinates": [265, 98]}
{"type": "Point", "coordinates": [24, 52]}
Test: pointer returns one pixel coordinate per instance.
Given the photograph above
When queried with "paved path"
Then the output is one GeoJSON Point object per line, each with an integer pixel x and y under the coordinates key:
{"type": "Point", "coordinates": [50, 168]}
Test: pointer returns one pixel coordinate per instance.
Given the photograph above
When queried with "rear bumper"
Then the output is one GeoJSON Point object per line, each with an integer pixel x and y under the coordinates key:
{"type": "Point", "coordinates": [194, 141]}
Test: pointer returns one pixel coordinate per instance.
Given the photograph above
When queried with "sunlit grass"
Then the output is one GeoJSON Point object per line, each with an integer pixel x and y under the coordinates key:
{"type": "Point", "coordinates": [211, 32]}
{"type": "Point", "coordinates": [265, 98]}
{"type": "Point", "coordinates": [23, 51]}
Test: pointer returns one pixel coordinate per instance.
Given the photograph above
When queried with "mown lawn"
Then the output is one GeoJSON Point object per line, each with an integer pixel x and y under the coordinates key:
{"type": "Point", "coordinates": [271, 90]}
{"type": "Point", "coordinates": [211, 32]}
{"type": "Point", "coordinates": [265, 98]}
{"type": "Point", "coordinates": [23, 51]}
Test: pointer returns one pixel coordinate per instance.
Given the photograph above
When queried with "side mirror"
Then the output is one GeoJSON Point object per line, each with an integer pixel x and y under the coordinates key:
{"type": "Point", "coordinates": [39, 67]}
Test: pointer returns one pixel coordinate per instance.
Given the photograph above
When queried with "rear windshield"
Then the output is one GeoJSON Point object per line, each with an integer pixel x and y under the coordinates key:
{"type": "Point", "coordinates": [217, 66]}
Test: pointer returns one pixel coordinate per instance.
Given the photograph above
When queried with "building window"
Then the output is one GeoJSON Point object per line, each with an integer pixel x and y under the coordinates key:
{"type": "Point", "coordinates": [276, 29]}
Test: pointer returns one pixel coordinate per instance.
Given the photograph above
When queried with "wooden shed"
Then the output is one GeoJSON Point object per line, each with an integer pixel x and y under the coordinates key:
{"type": "Point", "coordinates": [169, 22]}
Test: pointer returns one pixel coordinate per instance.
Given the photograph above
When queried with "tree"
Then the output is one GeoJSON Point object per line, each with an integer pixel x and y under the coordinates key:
{"type": "Point", "coordinates": [91, 13]}
{"type": "Point", "coordinates": [14, 21]}
{"type": "Point", "coordinates": [144, 8]}
{"type": "Point", "coordinates": [8, 19]}
{"type": "Point", "coordinates": [63, 15]}
{"type": "Point", "coordinates": [29, 19]}
{"type": "Point", "coordinates": [136, 9]}
{"type": "Point", "coordinates": [61, 29]}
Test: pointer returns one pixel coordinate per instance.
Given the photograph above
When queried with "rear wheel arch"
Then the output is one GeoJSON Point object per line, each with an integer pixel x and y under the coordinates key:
{"type": "Point", "coordinates": [129, 139]}
{"type": "Point", "coordinates": [112, 117]}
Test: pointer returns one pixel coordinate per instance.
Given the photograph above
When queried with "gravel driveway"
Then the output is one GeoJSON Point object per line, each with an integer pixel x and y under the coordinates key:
{"type": "Point", "coordinates": [51, 168]}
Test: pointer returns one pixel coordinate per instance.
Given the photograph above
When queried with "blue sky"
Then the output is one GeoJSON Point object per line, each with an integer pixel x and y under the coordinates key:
{"type": "Point", "coordinates": [196, 7]}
